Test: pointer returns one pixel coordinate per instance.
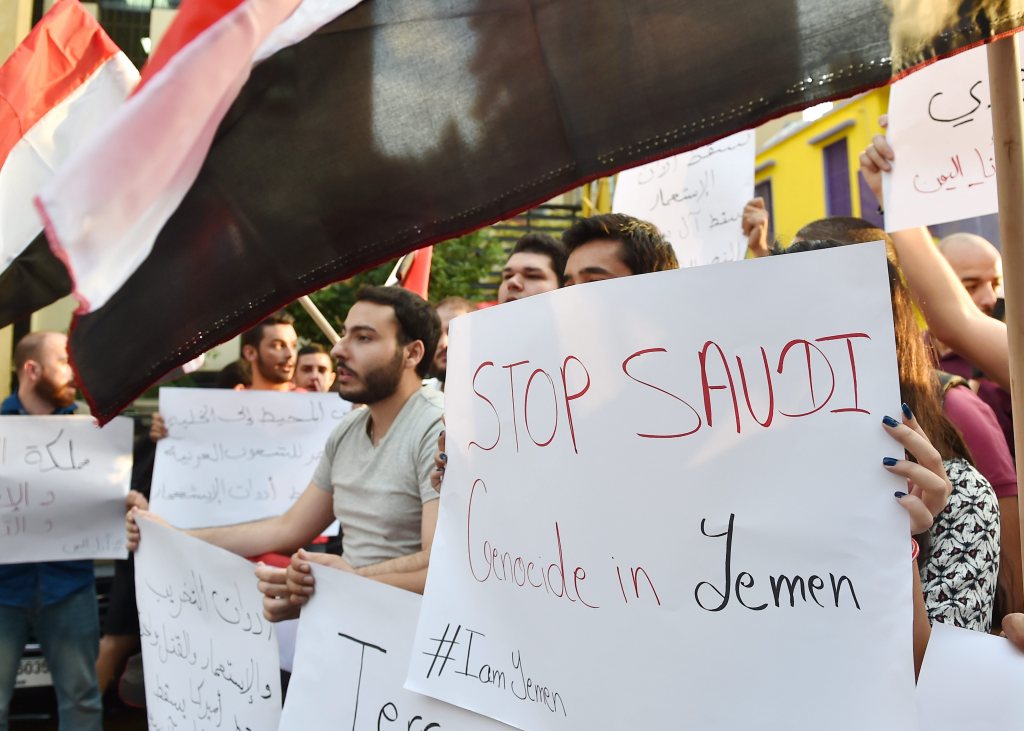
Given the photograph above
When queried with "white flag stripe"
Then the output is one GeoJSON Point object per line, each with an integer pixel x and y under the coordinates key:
{"type": "Point", "coordinates": [46, 144]}
{"type": "Point", "coordinates": [301, 24]}
{"type": "Point", "coordinates": [107, 205]}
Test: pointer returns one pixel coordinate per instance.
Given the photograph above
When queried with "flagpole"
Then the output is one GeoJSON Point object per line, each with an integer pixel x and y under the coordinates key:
{"type": "Point", "coordinates": [319, 319]}
{"type": "Point", "coordinates": [1008, 138]}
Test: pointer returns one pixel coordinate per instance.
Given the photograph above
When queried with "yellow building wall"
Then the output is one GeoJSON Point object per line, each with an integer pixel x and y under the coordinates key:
{"type": "Point", "coordinates": [795, 163]}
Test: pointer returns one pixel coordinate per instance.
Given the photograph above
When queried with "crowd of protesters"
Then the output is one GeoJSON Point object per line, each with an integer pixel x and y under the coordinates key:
{"type": "Point", "coordinates": [383, 466]}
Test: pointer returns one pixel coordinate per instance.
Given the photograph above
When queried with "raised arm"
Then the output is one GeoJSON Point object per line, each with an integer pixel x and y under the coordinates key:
{"type": "Point", "coordinates": [952, 316]}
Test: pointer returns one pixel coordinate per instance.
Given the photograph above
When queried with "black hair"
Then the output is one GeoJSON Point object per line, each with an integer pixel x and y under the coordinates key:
{"type": "Point", "coordinates": [545, 245]}
{"type": "Point", "coordinates": [254, 335]}
{"type": "Point", "coordinates": [644, 249]}
{"type": "Point", "coordinates": [417, 320]}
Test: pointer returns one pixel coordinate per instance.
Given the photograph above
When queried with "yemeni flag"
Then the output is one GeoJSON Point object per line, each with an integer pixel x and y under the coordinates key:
{"type": "Point", "coordinates": [270, 154]}
{"type": "Point", "coordinates": [62, 83]}
{"type": "Point", "coordinates": [412, 272]}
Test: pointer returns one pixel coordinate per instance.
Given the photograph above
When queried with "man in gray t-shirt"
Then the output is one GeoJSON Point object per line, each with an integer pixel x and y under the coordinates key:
{"type": "Point", "coordinates": [375, 472]}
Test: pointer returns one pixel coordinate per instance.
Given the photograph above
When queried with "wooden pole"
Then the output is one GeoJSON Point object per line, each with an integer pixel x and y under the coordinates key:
{"type": "Point", "coordinates": [319, 319]}
{"type": "Point", "coordinates": [1008, 138]}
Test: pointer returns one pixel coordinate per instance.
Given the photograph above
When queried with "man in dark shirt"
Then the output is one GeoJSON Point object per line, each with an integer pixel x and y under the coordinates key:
{"type": "Point", "coordinates": [57, 600]}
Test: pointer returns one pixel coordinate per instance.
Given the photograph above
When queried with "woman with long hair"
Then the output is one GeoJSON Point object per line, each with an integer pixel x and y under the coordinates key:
{"type": "Point", "coordinates": [959, 560]}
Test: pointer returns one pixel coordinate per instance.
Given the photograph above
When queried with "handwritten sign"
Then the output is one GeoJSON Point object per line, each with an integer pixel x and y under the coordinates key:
{"type": "Point", "coordinates": [666, 522]}
{"type": "Point", "coordinates": [696, 199]}
{"type": "Point", "coordinates": [970, 680]}
{"type": "Point", "coordinates": [63, 482]}
{"type": "Point", "coordinates": [210, 657]}
{"type": "Point", "coordinates": [940, 127]}
{"type": "Point", "coordinates": [359, 633]}
{"type": "Point", "coordinates": [236, 456]}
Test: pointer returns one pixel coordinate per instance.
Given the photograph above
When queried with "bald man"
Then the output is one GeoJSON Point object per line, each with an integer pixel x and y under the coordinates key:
{"type": "Point", "coordinates": [979, 266]}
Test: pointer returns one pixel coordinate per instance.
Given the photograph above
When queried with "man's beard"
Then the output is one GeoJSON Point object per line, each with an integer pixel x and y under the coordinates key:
{"type": "Point", "coordinates": [378, 384]}
{"type": "Point", "coordinates": [60, 395]}
{"type": "Point", "coordinates": [269, 372]}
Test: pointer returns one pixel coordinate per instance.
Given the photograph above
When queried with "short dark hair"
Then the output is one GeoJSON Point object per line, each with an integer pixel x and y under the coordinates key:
{"type": "Point", "coordinates": [311, 349]}
{"type": "Point", "coordinates": [644, 249]}
{"type": "Point", "coordinates": [417, 320]}
{"type": "Point", "coordinates": [254, 335]}
{"type": "Point", "coordinates": [549, 246]}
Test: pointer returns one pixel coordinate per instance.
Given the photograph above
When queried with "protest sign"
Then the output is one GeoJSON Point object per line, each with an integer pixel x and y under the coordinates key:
{"type": "Point", "coordinates": [210, 658]}
{"type": "Point", "coordinates": [672, 521]}
{"type": "Point", "coordinates": [970, 680]}
{"type": "Point", "coordinates": [695, 199]}
{"type": "Point", "coordinates": [354, 643]}
{"type": "Point", "coordinates": [236, 456]}
{"type": "Point", "coordinates": [63, 482]}
{"type": "Point", "coordinates": [940, 128]}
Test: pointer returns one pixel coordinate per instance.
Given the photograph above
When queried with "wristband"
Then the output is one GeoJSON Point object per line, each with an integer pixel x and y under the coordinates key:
{"type": "Point", "coordinates": [914, 549]}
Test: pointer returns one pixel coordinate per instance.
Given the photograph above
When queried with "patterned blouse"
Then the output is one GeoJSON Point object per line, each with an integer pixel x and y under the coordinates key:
{"type": "Point", "coordinates": [959, 574]}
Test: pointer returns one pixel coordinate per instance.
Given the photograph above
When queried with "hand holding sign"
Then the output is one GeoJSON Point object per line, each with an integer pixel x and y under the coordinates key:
{"type": "Point", "coordinates": [927, 483]}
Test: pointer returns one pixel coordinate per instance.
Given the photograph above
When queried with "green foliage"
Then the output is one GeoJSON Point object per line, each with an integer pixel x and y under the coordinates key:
{"type": "Point", "coordinates": [457, 269]}
{"type": "Point", "coordinates": [460, 266]}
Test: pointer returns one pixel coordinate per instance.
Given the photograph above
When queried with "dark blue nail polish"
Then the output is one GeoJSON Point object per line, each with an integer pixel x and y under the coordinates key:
{"type": "Point", "coordinates": [900, 495]}
{"type": "Point", "coordinates": [889, 461]}
{"type": "Point", "coordinates": [889, 421]}
{"type": "Point", "coordinates": [444, 457]}
{"type": "Point", "coordinates": [907, 412]}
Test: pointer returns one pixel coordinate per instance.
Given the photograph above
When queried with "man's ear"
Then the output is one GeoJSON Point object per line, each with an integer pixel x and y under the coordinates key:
{"type": "Point", "coordinates": [31, 371]}
{"type": "Point", "coordinates": [414, 353]}
{"type": "Point", "coordinates": [249, 352]}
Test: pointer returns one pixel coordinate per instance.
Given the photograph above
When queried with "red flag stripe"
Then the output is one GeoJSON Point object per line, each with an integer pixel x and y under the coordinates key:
{"type": "Point", "coordinates": [192, 19]}
{"type": "Point", "coordinates": [417, 279]}
{"type": "Point", "coordinates": [60, 54]}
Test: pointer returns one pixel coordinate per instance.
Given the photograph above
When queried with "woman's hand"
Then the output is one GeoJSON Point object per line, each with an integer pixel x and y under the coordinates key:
{"type": "Point", "coordinates": [928, 487]}
{"type": "Point", "coordinates": [440, 462]}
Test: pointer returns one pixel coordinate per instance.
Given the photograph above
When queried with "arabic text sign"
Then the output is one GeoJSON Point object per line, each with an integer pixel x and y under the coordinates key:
{"type": "Point", "coordinates": [236, 456]}
{"type": "Point", "coordinates": [675, 508]}
{"type": "Point", "coordinates": [210, 658]}
{"type": "Point", "coordinates": [696, 199]}
{"type": "Point", "coordinates": [63, 482]}
{"type": "Point", "coordinates": [355, 639]}
{"type": "Point", "coordinates": [970, 680]}
{"type": "Point", "coordinates": [940, 128]}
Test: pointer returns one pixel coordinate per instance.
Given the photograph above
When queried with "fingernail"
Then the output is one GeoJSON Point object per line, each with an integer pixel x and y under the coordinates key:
{"type": "Point", "coordinates": [889, 461]}
{"type": "Point", "coordinates": [889, 421]}
{"type": "Point", "coordinates": [907, 412]}
{"type": "Point", "coordinates": [444, 457]}
{"type": "Point", "coordinates": [308, 580]}
{"type": "Point", "coordinates": [900, 495]}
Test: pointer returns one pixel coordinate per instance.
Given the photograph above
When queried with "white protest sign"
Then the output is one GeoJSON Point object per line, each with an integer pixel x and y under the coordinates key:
{"type": "Point", "coordinates": [63, 482]}
{"type": "Point", "coordinates": [940, 128]}
{"type": "Point", "coordinates": [970, 680]}
{"type": "Point", "coordinates": [696, 199]}
{"type": "Point", "coordinates": [677, 518]}
{"type": "Point", "coordinates": [354, 643]}
{"type": "Point", "coordinates": [237, 456]}
{"type": "Point", "coordinates": [210, 658]}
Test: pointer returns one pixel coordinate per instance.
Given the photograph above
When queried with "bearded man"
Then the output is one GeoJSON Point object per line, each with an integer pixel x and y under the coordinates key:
{"type": "Point", "coordinates": [56, 599]}
{"type": "Point", "coordinates": [374, 476]}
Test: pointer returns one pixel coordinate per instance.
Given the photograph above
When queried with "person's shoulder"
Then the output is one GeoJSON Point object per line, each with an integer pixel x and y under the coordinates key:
{"type": "Point", "coordinates": [428, 402]}
{"type": "Point", "coordinates": [357, 416]}
{"type": "Point", "coordinates": [11, 406]}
